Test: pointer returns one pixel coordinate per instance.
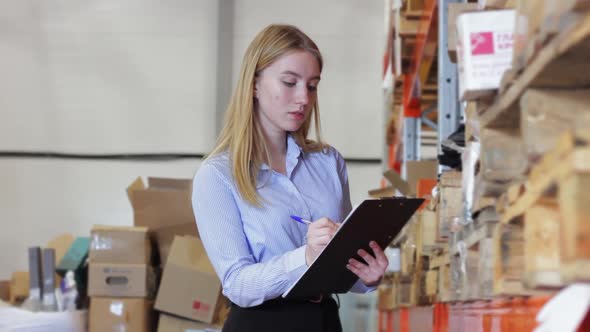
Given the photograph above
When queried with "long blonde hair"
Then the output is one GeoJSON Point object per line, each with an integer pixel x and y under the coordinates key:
{"type": "Point", "coordinates": [241, 135]}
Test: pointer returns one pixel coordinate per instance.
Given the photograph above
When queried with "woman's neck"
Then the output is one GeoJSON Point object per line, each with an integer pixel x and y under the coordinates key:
{"type": "Point", "coordinates": [277, 148]}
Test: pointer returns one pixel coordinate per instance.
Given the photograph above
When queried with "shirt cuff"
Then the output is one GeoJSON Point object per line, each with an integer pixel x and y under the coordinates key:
{"type": "Point", "coordinates": [295, 259]}
{"type": "Point", "coordinates": [360, 288]}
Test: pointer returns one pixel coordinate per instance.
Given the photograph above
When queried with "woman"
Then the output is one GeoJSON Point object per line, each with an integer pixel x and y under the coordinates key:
{"type": "Point", "coordinates": [263, 170]}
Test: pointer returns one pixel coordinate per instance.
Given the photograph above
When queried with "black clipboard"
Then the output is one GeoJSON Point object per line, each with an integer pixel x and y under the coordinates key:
{"type": "Point", "coordinates": [379, 220]}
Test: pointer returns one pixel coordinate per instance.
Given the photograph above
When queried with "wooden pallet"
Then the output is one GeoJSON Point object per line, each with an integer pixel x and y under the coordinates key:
{"type": "Point", "coordinates": [562, 63]}
{"type": "Point", "coordinates": [563, 175]}
{"type": "Point", "coordinates": [565, 160]}
{"type": "Point", "coordinates": [542, 245]}
{"type": "Point", "coordinates": [508, 243]}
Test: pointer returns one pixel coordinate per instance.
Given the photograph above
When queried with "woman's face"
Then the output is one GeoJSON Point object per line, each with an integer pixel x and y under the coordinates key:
{"type": "Point", "coordinates": [286, 92]}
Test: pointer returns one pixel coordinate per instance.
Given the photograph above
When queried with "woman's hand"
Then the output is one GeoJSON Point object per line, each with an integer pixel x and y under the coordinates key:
{"type": "Point", "coordinates": [319, 233]}
{"type": "Point", "coordinates": [371, 272]}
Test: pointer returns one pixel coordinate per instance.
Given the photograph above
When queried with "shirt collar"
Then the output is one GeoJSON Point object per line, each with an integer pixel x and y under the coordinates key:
{"type": "Point", "coordinates": [293, 153]}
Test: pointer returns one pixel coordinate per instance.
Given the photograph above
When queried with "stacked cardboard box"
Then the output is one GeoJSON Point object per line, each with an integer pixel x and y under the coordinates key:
{"type": "Point", "coordinates": [164, 207]}
{"type": "Point", "coordinates": [121, 279]}
{"type": "Point", "coordinates": [190, 290]}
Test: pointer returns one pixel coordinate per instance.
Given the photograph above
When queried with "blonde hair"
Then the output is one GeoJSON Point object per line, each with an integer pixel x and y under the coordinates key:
{"type": "Point", "coordinates": [241, 135]}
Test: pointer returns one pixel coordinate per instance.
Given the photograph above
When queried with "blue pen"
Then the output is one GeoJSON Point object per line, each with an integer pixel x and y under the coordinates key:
{"type": "Point", "coordinates": [301, 220]}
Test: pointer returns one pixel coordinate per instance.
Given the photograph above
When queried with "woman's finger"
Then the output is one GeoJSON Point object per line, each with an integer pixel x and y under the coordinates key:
{"type": "Point", "coordinates": [367, 257]}
{"type": "Point", "coordinates": [380, 257]}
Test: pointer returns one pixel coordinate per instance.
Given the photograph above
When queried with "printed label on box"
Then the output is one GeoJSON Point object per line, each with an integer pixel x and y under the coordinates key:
{"type": "Point", "coordinates": [482, 43]}
{"type": "Point", "coordinates": [199, 306]}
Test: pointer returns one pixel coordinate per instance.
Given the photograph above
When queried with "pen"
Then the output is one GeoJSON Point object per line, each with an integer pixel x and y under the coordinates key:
{"type": "Point", "coordinates": [301, 220]}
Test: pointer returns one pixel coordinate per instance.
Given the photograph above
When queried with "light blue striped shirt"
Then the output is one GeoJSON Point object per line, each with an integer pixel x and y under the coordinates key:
{"type": "Point", "coordinates": [258, 253]}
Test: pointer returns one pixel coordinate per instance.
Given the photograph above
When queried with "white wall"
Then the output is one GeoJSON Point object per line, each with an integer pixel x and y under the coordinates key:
{"type": "Point", "coordinates": [151, 76]}
{"type": "Point", "coordinates": [108, 76]}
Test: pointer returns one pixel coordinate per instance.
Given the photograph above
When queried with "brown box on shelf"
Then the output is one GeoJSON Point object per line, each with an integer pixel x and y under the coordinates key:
{"type": "Point", "coordinates": [454, 10]}
{"type": "Point", "coordinates": [190, 287]}
{"type": "Point", "coordinates": [113, 314]}
{"type": "Point", "coordinates": [119, 245]}
{"type": "Point", "coordinates": [121, 280]}
{"type": "Point", "coordinates": [164, 206]}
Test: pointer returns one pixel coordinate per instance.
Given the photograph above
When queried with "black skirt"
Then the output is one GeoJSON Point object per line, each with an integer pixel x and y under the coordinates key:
{"type": "Point", "coordinates": [285, 316]}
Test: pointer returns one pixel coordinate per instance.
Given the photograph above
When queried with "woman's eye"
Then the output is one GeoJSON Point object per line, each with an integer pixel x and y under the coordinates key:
{"type": "Point", "coordinates": [289, 84]}
{"type": "Point", "coordinates": [312, 88]}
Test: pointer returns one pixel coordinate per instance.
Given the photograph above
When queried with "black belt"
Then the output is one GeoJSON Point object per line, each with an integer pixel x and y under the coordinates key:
{"type": "Point", "coordinates": [280, 301]}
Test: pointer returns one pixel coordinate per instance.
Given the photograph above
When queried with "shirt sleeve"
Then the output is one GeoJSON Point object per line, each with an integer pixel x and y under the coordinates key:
{"type": "Point", "coordinates": [359, 286]}
{"type": "Point", "coordinates": [343, 175]}
{"type": "Point", "coordinates": [244, 281]}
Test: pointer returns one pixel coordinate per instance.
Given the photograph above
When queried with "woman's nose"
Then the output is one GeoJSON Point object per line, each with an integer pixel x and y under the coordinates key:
{"type": "Point", "coordinates": [302, 96]}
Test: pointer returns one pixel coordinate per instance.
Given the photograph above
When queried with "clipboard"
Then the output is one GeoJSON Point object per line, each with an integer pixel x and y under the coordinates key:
{"type": "Point", "coordinates": [378, 220]}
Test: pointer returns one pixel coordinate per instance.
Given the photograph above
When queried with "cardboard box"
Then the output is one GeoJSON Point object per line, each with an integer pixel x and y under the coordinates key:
{"type": "Point", "coordinates": [176, 324]}
{"type": "Point", "coordinates": [454, 10]}
{"type": "Point", "coordinates": [129, 315]}
{"type": "Point", "coordinates": [484, 51]}
{"type": "Point", "coordinates": [121, 280]}
{"type": "Point", "coordinates": [190, 288]}
{"type": "Point", "coordinates": [119, 245]}
{"type": "Point", "coordinates": [165, 207]}
{"type": "Point", "coordinates": [60, 244]}
{"type": "Point", "coordinates": [5, 290]}
{"type": "Point", "coordinates": [19, 287]}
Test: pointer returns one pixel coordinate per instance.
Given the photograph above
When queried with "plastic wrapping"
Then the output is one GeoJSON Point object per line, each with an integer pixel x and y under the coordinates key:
{"type": "Point", "coordinates": [450, 210]}
{"type": "Point", "coordinates": [455, 279]}
{"type": "Point", "coordinates": [469, 158]}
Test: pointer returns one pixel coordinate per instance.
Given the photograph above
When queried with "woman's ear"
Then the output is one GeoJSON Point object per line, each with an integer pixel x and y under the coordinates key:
{"type": "Point", "coordinates": [255, 88]}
